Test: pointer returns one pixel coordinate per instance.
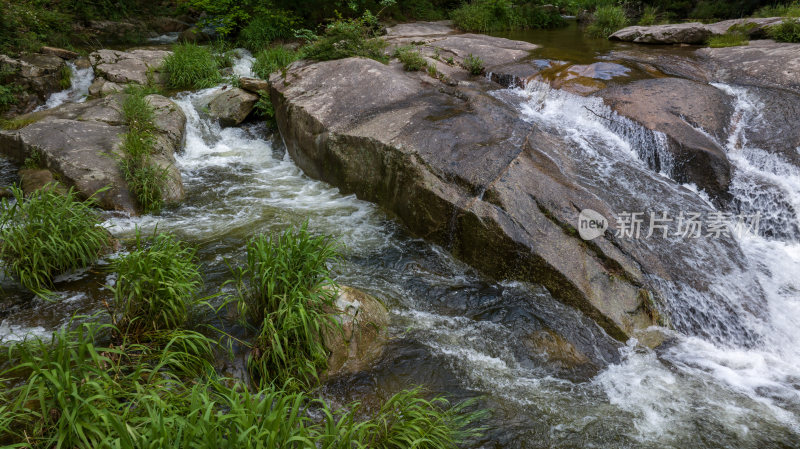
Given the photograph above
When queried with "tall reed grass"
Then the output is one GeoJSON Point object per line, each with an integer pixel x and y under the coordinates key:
{"type": "Point", "coordinates": [48, 234]}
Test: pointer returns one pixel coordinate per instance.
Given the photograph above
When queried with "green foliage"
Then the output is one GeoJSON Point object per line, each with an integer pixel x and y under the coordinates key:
{"type": "Point", "coordinates": [650, 16]}
{"type": "Point", "coordinates": [272, 60]}
{"type": "Point", "coordinates": [788, 31]}
{"type": "Point", "coordinates": [607, 20]}
{"type": "Point", "coordinates": [156, 284]}
{"type": "Point", "coordinates": [65, 77]}
{"type": "Point", "coordinates": [408, 420]}
{"type": "Point", "coordinates": [48, 234]}
{"type": "Point", "coordinates": [77, 392]}
{"type": "Point", "coordinates": [486, 16]}
{"type": "Point", "coordinates": [411, 58]}
{"type": "Point", "coordinates": [264, 108]}
{"type": "Point", "coordinates": [266, 27]}
{"type": "Point", "coordinates": [145, 178]}
{"type": "Point", "coordinates": [191, 66]}
{"type": "Point", "coordinates": [286, 289]}
{"type": "Point", "coordinates": [730, 39]}
{"type": "Point", "coordinates": [780, 10]}
{"type": "Point", "coordinates": [473, 64]}
{"type": "Point", "coordinates": [346, 38]}
{"type": "Point", "coordinates": [7, 97]}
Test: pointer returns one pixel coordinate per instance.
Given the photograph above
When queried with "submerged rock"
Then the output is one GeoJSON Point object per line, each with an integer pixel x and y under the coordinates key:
{"type": "Point", "coordinates": [364, 321]}
{"type": "Point", "coordinates": [232, 106]}
{"type": "Point", "coordinates": [460, 166]}
{"type": "Point", "coordinates": [80, 144]}
{"type": "Point", "coordinates": [693, 116]}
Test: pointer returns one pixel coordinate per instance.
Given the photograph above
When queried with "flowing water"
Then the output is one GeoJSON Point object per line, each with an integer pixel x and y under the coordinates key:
{"type": "Point", "coordinates": [465, 336]}
{"type": "Point", "coordinates": [76, 93]}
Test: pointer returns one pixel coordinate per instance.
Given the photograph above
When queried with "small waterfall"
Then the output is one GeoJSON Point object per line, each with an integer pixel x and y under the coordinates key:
{"type": "Point", "coordinates": [565, 110]}
{"type": "Point", "coordinates": [76, 93]}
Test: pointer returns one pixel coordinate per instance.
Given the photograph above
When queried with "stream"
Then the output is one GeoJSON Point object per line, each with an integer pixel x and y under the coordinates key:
{"type": "Point", "coordinates": [463, 335]}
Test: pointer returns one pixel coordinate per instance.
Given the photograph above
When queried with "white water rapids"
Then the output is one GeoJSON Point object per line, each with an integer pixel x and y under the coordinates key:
{"type": "Point", "coordinates": [692, 393]}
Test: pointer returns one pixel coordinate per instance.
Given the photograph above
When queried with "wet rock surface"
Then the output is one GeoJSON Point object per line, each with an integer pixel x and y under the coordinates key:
{"type": "Point", "coordinates": [80, 143]}
{"type": "Point", "coordinates": [763, 63]}
{"type": "Point", "coordinates": [364, 322]}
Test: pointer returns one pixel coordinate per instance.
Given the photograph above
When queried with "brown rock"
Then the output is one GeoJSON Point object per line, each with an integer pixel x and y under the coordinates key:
{"type": "Point", "coordinates": [253, 85]}
{"type": "Point", "coordinates": [232, 106]}
{"type": "Point", "coordinates": [60, 52]}
{"type": "Point", "coordinates": [33, 179]}
{"type": "Point", "coordinates": [364, 321]}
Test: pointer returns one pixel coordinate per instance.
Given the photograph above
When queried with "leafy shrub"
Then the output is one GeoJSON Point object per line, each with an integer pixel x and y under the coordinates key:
{"type": "Point", "coordinates": [145, 178]}
{"type": "Point", "coordinates": [733, 39]}
{"type": "Point", "coordinates": [411, 58]}
{"type": "Point", "coordinates": [780, 10]}
{"type": "Point", "coordinates": [473, 64]}
{"type": "Point", "coordinates": [607, 20]}
{"type": "Point", "coordinates": [65, 77]}
{"type": "Point", "coordinates": [48, 234]}
{"type": "Point", "coordinates": [499, 15]}
{"type": "Point", "coordinates": [191, 66]}
{"type": "Point", "coordinates": [266, 27]}
{"type": "Point", "coordinates": [156, 282]}
{"type": "Point", "coordinates": [7, 97]}
{"type": "Point", "coordinates": [272, 60]}
{"type": "Point", "coordinates": [286, 289]}
{"type": "Point", "coordinates": [347, 38]}
{"type": "Point", "coordinates": [788, 31]}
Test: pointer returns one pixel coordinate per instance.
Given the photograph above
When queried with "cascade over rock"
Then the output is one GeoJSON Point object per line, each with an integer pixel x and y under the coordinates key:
{"type": "Point", "coordinates": [459, 166]}
{"type": "Point", "coordinates": [686, 111]}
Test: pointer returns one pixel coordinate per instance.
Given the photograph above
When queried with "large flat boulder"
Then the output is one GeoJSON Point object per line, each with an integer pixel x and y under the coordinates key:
{"type": "Point", "coordinates": [463, 167]}
{"type": "Point", "coordinates": [691, 33]}
{"type": "Point", "coordinates": [80, 143]}
{"type": "Point", "coordinates": [139, 66]}
{"type": "Point", "coordinates": [694, 117]}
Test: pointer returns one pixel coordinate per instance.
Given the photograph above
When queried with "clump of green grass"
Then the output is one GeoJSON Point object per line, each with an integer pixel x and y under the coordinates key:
{"type": "Point", "coordinates": [145, 178]}
{"type": "Point", "coordinates": [788, 31]}
{"type": "Point", "coordinates": [650, 16]}
{"type": "Point", "coordinates": [411, 58]}
{"type": "Point", "coordinates": [65, 77]}
{"type": "Point", "coordinates": [191, 66]}
{"type": "Point", "coordinates": [272, 60]}
{"type": "Point", "coordinates": [347, 38]}
{"type": "Point", "coordinates": [607, 20]}
{"type": "Point", "coordinates": [286, 290]}
{"type": "Point", "coordinates": [409, 420]}
{"type": "Point", "coordinates": [730, 39]}
{"type": "Point", "coordinates": [473, 64]}
{"type": "Point", "coordinates": [48, 234]}
{"type": "Point", "coordinates": [7, 97]}
{"type": "Point", "coordinates": [156, 284]}
{"type": "Point", "coordinates": [266, 27]}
